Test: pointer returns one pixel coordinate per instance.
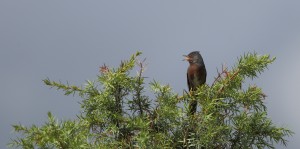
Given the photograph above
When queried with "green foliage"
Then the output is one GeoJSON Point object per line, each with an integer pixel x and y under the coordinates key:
{"type": "Point", "coordinates": [53, 134]}
{"type": "Point", "coordinates": [116, 113]}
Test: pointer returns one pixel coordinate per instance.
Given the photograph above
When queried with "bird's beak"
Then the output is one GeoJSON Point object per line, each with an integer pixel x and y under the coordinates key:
{"type": "Point", "coordinates": [186, 58]}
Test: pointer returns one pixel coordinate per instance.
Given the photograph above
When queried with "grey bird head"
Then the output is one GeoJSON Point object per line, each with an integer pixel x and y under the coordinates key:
{"type": "Point", "coordinates": [194, 58]}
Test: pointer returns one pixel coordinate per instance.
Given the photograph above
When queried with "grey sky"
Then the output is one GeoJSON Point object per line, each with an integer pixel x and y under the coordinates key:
{"type": "Point", "coordinates": [68, 40]}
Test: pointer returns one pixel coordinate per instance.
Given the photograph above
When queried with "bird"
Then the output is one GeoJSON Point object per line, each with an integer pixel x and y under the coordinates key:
{"type": "Point", "coordinates": [196, 76]}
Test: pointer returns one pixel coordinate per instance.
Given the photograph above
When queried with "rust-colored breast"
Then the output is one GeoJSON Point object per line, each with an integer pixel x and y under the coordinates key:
{"type": "Point", "coordinates": [196, 76]}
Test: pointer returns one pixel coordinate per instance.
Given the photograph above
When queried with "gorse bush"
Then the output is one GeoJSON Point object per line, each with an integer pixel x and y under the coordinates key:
{"type": "Point", "coordinates": [116, 113]}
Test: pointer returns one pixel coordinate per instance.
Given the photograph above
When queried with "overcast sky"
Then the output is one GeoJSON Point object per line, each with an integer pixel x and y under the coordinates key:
{"type": "Point", "coordinates": [68, 41]}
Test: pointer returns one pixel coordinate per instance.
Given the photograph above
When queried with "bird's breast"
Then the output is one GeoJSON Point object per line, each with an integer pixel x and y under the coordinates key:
{"type": "Point", "coordinates": [196, 75]}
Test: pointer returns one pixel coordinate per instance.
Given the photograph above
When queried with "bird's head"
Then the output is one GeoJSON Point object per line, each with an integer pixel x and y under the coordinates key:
{"type": "Point", "coordinates": [193, 57]}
